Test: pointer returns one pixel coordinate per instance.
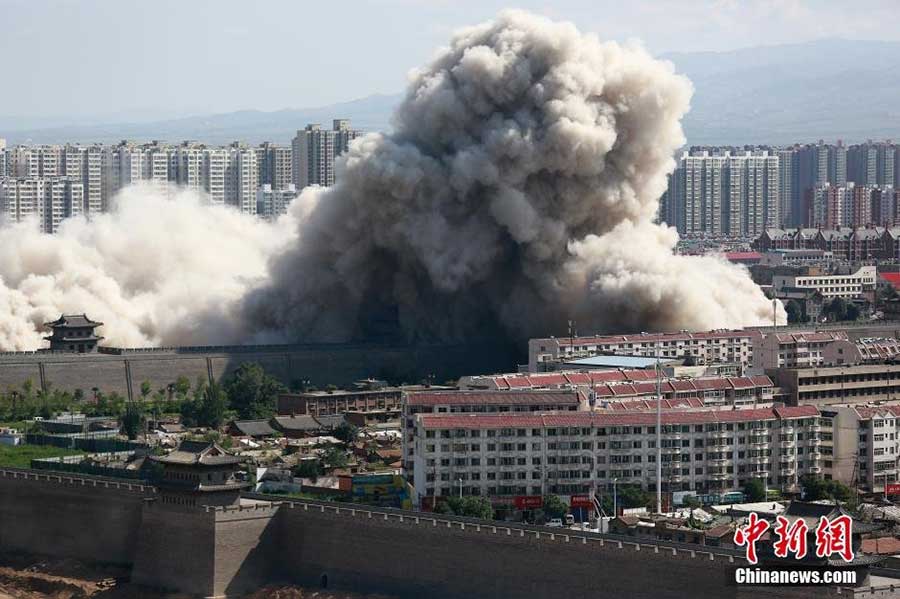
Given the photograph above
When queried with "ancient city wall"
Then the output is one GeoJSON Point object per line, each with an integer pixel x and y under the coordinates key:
{"type": "Point", "coordinates": [175, 550]}
{"type": "Point", "coordinates": [220, 552]}
{"type": "Point", "coordinates": [337, 364]}
{"type": "Point", "coordinates": [70, 516]}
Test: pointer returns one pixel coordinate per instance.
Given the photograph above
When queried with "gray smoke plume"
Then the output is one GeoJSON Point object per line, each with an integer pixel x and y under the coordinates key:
{"type": "Point", "coordinates": [518, 191]}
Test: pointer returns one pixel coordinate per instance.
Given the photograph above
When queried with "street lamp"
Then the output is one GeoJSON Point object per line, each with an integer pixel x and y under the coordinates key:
{"type": "Point", "coordinates": [615, 499]}
{"type": "Point", "coordinates": [460, 481]}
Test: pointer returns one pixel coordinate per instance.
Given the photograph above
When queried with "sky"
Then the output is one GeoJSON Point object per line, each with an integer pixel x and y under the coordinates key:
{"type": "Point", "coordinates": [88, 61]}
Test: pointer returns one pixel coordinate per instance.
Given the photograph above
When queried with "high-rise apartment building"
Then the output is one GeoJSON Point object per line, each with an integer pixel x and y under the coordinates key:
{"type": "Point", "coordinates": [215, 163]}
{"type": "Point", "coordinates": [46, 200]}
{"type": "Point", "coordinates": [272, 203]}
{"type": "Point", "coordinates": [872, 163]}
{"type": "Point", "coordinates": [725, 194]}
{"type": "Point", "coordinates": [241, 178]}
{"type": "Point", "coordinates": [189, 159]}
{"type": "Point", "coordinates": [275, 165]}
{"type": "Point", "coordinates": [315, 150]}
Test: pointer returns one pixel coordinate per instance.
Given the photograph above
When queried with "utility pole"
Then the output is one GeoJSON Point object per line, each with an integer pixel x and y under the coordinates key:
{"type": "Point", "coordinates": [658, 433]}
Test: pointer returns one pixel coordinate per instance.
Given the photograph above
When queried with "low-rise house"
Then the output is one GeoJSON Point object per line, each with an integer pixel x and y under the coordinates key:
{"type": "Point", "coordinates": [256, 429]}
{"type": "Point", "coordinates": [297, 427]}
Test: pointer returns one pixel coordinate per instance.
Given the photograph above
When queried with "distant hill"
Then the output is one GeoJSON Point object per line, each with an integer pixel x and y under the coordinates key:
{"type": "Point", "coordinates": [371, 113]}
{"type": "Point", "coordinates": [832, 89]}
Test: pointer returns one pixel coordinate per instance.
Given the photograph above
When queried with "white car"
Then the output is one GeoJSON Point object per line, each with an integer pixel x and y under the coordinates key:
{"type": "Point", "coordinates": [555, 523]}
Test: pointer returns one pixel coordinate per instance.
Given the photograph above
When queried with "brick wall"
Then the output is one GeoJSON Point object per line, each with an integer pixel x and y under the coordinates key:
{"type": "Point", "coordinates": [322, 365]}
{"type": "Point", "coordinates": [69, 516]}
{"type": "Point", "coordinates": [175, 550]}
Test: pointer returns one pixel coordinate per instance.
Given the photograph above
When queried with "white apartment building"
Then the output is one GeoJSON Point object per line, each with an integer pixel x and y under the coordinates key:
{"type": "Point", "coordinates": [63, 198]}
{"type": "Point", "coordinates": [241, 179]}
{"type": "Point", "coordinates": [47, 201]}
{"type": "Point", "coordinates": [725, 193]}
{"type": "Point", "coordinates": [796, 350]}
{"type": "Point", "coordinates": [709, 347]}
{"type": "Point", "coordinates": [866, 444]}
{"type": "Point", "coordinates": [189, 171]}
{"type": "Point", "coordinates": [314, 151]}
{"type": "Point", "coordinates": [454, 402]}
{"type": "Point", "coordinates": [505, 455]}
{"type": "Point", "coordinates": [272, 203]}
{"type": "Point", "coordinates": [836, 285]}
{"type": "Point", "coordinates": [215, 163]}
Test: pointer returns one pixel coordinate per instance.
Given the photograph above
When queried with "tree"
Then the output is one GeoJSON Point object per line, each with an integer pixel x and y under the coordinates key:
{"type": "Point", "coordinates": [691, 502]}
{"type": "Point", "coordinates": [794, 312]}
{"type": "Point", "coordinates": [182, 387]}
{"type": "Point", "coordinates": [815, 489]}
{"type": "Point", "coordinates": [253, 392]}
{"type": "Point", "coordinates": [146, 388]}
{"type": "Point", "coordinates": [755, 490]}
{"type": "Point", "coordinates": [631, 496]}
{"type": "Point", "coordinates": [555, 507]}
{"type": "Point", "coordinates": [132, 420]}
{"type": "Point", "coordinates": [335, 457]}
{"type": "Point", "coordinates": [307, 469]}
{"type": "Point", "coordinates": [212, 406]}
{"type": "Point", "coordinates": [471, 506]}
{"type": "Point", "coordinates": [345, 432]}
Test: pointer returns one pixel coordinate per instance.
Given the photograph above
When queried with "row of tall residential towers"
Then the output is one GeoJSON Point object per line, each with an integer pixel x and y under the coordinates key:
{"type": "Point", "coordinates": [54, 182]}
{"type": "Point", "coordinates": [740, 192]}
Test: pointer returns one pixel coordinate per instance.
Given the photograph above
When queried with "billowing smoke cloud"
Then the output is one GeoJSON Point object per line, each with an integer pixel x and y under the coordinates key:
{"type": "Point", "coordinates": [517, 191]}
{"type": "Point", "coordinates": [148, 270]}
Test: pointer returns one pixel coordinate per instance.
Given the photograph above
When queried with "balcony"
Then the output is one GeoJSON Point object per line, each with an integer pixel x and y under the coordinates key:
{"type": "Point", "coordinates": [718, 434]}
{"type": "Point", "coordinates": [758, 440]}
{"type": "Point", "coordinates": [815, 469]}
{"type": "Point", "coordinates": [720, 475]}
{"type": "Point", "coordinates": [760, 474]}
{"type": "Point", "coordinates": [787, 444]}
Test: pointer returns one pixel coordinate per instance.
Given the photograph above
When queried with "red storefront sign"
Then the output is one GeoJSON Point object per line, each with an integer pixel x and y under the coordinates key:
{"type": "Point", "coordinates": [528, 502]}
{"type": "Point", "coordinates": [581, 501]}
{"type": "Point", "coordinates": [892, 489]}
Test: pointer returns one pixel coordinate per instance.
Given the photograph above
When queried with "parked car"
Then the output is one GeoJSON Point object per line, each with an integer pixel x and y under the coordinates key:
{"type": "Point", "coordinates": [555, 523]}
{"type": "Point", "coordinates": [570, 520]}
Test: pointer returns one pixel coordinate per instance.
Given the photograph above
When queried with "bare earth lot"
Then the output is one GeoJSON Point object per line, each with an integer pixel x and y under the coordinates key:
{"type": "Point", "coordinates": [35, 577]}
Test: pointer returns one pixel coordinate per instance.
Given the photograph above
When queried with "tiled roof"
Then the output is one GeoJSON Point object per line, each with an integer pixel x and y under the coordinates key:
{"type": "Point", "coordinates": [653, 337]}
{"type": "Point", "coordinates": [254, 428]}
{"type": "Point", "coordinates": [743, 256]}
{"type": "Point", "coordinates": [810, 336]}
{"type": "Point", "coordinates": [434, 398]}
{"type": "Point", "coordinates": [73, 320]}
{"type": "Point", "coordinates": [198, 452]}
{"type": "Point", "coordinates": [609, 418]}
{"type": "Point", "coordinates": [881, 546]}
{"type": "Point", "coordinates": [867, 412]}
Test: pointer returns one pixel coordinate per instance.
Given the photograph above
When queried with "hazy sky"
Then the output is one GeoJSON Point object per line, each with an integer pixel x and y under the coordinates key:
{"type": "Point", "coordinates": [129, 59]}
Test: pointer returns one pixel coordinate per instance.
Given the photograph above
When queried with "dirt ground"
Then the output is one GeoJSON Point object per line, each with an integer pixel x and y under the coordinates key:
{"type": "Point", "coordinates": [34, 577]}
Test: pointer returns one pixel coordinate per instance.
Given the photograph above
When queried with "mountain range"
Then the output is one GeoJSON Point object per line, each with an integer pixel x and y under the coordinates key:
{"type": "Point", "coordinates": [830, 89]}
